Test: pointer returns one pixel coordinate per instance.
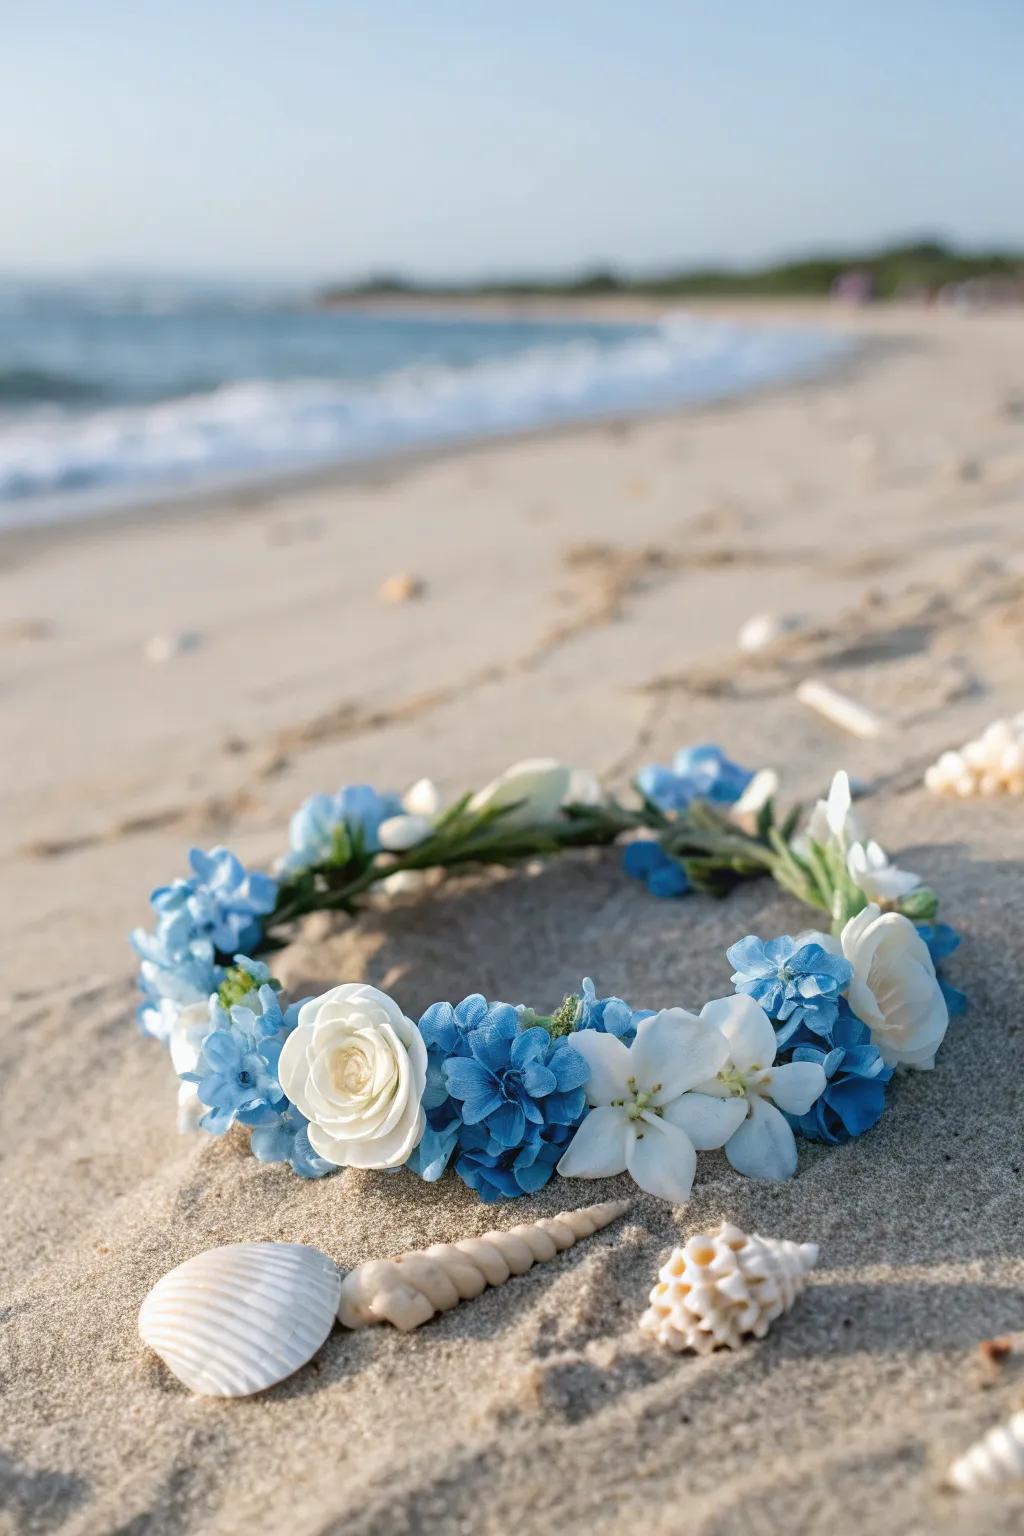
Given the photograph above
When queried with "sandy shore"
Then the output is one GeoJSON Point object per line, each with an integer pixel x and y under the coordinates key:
{"type": "Point", "coordinates": [582, 597]}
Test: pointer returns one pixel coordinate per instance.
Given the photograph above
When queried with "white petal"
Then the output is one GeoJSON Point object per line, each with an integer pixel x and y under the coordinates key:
{"type": "Point", "coordinates": [598, 1149]}
{"type": "Point", "coordinates": [709, 1122]}
{"type": "Point", "coordinates": [673, 1051]}
{"type": "Point", "coordinates": [797, 1086]}
{"type": "Point", "coordinates": [764, 1146]}
{"type": "Point", "coordinates": [608, 1060]}
{"type": "Point", "coordinates": [422, 798]}
{"type": "Point", "coordinates": [662, 1160]}
{"type": "Point", "coordinates": [839, 802]}
{"type": "Point", "coordinates": [746, 1027]}
{"type": "Point", "coordinates": [293, 1066]}
{"type": "Point", "coordinates": [400, 833]}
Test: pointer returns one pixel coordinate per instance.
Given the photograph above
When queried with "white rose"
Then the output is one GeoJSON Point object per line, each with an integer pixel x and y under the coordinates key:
{"type": "Point", "coordinates": [543, 786]}
{"type": "Point", "coordinates": [356, 1067]}
{"type": "Point", "coordinates": [894, 988]}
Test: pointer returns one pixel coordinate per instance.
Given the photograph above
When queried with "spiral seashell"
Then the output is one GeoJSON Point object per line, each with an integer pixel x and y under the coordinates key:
{"type": "Point", "coordinates": [407, 1291]}
{"type": "Point", "coordinates": [722, 1286]}
{"type": "Point", "coordinates": [237, 1319]}
{"type": "Point", "coordinates": [997, 1457]}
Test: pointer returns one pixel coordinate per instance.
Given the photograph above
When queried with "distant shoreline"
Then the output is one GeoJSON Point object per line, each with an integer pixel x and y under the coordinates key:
{"type": "Point", "coordinates": [43, 516]}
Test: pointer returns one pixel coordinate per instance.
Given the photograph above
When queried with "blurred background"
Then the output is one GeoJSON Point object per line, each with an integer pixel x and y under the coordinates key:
{"type": "Point", "coordinates": [250, 239]}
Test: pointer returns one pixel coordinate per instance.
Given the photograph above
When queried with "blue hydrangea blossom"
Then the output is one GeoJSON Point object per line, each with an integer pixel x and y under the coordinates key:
{"type": "Point", "coordinates": [285, 1140]}
{"type": "Point", "coordinates": [663, 875]}
{"type": "Point", "coordinates": [854, 1095]}
{"type": "Point", "coordinates": [500, 1097]}
{"type": "Point", "coordinates": [797, 981]}
{"type": "Point", "coordinates": [942, 939]}
{"type": "Point", "coordinates": [218, 910]}
{"type": "Point", "coordinates": [356, 808]}
{"type": "Point", "coordinates": [697, 773]}
{"type": "Point", "coordinates": [236, 1073]}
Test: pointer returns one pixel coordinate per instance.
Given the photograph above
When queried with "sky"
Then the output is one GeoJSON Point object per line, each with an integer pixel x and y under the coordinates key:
{"type": "Point", "coordinates": [328, 138]}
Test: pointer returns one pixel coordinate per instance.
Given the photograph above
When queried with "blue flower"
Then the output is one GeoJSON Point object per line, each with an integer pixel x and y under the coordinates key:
{"type": "Point", "coordinates": [796, 981]}
{"type": "Point", "coordinates": [356, 811]}
{"type": "Point", "coordinates": [285, 1140]}
{"type": "Point", "coordinates": [500, 1097]}
{"type": "Point", "coordinates": [608, 1015]}
{"type": "Point", "coordinates": [942, 939]}
{"type": "Point", "coordinates": [509, 1072]}
{"type": "Point", "coordinates": [217, 911]}
{"type": "Point", "coordinates": [503, 1173]}
{"type": "Point", "coordinates": [646, 860]}
{"type": "Point", "coordinates": [697, 773]}
{"type": "Point", "coordinates": [236, 1071]}
{"type": "Point", "coordinates": [854, 1095]}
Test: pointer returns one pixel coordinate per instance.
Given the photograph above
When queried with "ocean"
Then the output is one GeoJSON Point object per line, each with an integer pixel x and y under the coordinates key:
{"type": "Point", "coordinates": [118, 394]}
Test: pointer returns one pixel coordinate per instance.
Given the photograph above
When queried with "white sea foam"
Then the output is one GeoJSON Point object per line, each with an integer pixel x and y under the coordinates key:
{"type": "Point", "coordinates": [54, 462]}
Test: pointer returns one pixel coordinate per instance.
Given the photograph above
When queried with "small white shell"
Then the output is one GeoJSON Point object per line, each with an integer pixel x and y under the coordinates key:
{"type": "Point", "coordinates": [724, 1285]}
{"type": "Point", "coordinates": [235, 1320]}
{"type": "Point", "coordinates": [997, 1457]}
{"type": "Point", "coordinates": [763, 630]}
{"type": "Point", "coordinates": [840, 709]}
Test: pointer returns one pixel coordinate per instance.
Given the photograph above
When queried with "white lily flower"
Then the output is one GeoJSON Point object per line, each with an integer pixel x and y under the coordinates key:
{"type": "Point", "coordinates": [894, 988]}
{"type": "Point", "coordinates": [645, 1116]}
{"type": "Point", "coordinates": [872, 872]}
{"type": "Point", "coordinates": [834, 819]}
{"type": "Point", "coordinates": [763, 1145]}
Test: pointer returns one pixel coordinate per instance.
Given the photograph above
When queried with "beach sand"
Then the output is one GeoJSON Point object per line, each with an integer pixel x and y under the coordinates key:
{"type": "Point", "coordinates": [582, 596]}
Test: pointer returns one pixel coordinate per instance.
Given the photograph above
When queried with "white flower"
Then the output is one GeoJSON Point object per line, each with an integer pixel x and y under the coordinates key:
{"type": "Point", "coordinates": [873, 873]}
{"type": "Point", "coordinates": [543, 786]}
{"type": "Point", "coordinates": [645, 1118]}
{"type": "Point", "coordinates": [763, 1146]}
{"type": "Point", "coordinates": [894, 989]}
{"type": "Point", "coordinates": [762, 787]}
{"type": "Point", "coordinates": [356, 1067]}
{"type": "Point", "coordinates": [188, 1031]}
{"type": "Point", "coordinates": [834, 819]}
{"type": "Point", "coordinates": [397, 834]}
{"type": "Point", "coordinates": [422, 798]}
{"type": "Point", "coordinates": [190, 1109]}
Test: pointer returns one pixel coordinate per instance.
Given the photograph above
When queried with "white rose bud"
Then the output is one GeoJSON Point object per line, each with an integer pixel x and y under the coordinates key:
{"type": "Point", "coordinates": [894, 988]}
{"type": "Point", "coordinates": [356, 1067]}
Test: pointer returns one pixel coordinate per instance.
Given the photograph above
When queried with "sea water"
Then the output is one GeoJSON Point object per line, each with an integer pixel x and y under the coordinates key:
{"type": "Point", "coordinates": [114, 394]}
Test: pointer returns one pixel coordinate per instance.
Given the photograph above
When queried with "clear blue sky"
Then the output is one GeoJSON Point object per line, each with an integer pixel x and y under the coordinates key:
{"type": "Point", "coordinates": [443, 137]}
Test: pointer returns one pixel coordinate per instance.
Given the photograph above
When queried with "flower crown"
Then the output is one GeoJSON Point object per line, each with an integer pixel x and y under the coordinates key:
{"type": "Point", "coordinates": [806, 1045]}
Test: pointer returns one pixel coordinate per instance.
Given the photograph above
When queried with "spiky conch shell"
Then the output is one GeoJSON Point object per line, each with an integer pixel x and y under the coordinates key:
{"type": "Point", "coordinates": [997, 1457]}
{"type": "Point", "coordinates": [724, 1285]}
{"type": "Point", "coordinates": [409, 1290]}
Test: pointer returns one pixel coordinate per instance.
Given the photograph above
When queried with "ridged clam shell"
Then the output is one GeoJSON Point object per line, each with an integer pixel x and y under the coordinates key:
{"type": "Point", "coordinates": [237, 1319]}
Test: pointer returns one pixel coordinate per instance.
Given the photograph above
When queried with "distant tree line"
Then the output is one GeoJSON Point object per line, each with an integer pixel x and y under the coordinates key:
{"type": "Point", "coordinates": [919, 267]}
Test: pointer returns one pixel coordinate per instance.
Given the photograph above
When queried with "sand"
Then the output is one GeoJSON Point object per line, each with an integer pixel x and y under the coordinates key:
{"type": "Point", "coordinates": [582, 594]}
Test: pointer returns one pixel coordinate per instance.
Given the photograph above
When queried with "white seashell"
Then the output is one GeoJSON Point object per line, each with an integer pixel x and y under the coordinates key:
{"type": "Point", "coordinates": [237, 1319]}
{"type": "Point", "coordinates": [407, 1291]}
{"type": "Point", "coordinates": [762, 630]}
{"type": "Point", "coordinates": [161, 648]}
{"type": "Point", "coordinates": [724, 1285]}
{"type": "Point", "coordinates": [991, 764]}
{"type": "Point", "coordinates": [839, 709]}
{"type": "Point", "coordinates": [997, 1457]}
